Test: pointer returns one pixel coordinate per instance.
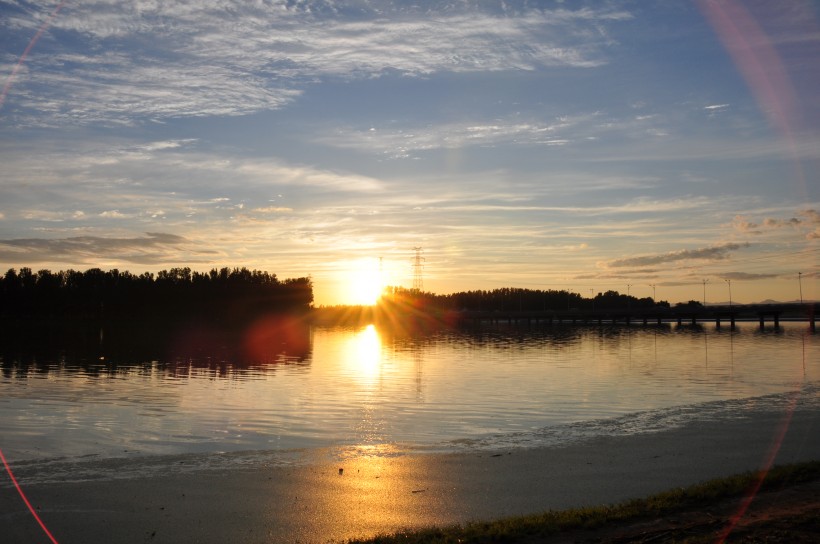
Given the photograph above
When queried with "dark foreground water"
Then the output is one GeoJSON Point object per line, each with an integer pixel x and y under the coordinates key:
{"type": "Point", "coordinates": [371, 390]}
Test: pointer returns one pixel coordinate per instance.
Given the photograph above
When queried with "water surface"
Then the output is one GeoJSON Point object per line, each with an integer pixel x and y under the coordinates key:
{"type": "Point", "coordinates": [488, 387]}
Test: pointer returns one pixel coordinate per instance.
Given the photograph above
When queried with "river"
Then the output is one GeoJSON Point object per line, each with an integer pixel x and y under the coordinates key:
{"type": "Point", "coordinates": [488, 387]}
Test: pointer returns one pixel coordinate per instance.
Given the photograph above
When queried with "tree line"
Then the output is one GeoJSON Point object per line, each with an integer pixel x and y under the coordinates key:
{"type": "Point", "coordinates": [219, 295]}
{"type": "Point", "coordinates": [511, 299]}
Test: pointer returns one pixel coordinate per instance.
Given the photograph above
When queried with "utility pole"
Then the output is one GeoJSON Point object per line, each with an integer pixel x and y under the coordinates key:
{"type": "Point", "coordinates": [705, 281]}
{"type": "Point", "coordinates": [730, 292]}
{"type": "Point", "coordinates": [654, 300]}
{"type": "Point", "coordinates": [418, 282]}
{"type": "Point", "coordinates": [800, 284]}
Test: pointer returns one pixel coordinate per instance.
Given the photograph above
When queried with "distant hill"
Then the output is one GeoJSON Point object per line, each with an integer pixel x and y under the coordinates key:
{"type": "Point", "coordinates": [767, 301]}
{"type": "Point", "coordinates": [770, 301]}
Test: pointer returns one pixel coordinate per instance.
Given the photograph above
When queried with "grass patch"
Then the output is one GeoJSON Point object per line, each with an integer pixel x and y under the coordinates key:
{"type": "Point", "coordinates": [525, 528]}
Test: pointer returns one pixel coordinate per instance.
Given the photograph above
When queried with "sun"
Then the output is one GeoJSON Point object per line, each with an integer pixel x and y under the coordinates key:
{"type": "Point", "coordinates": [364, 283]}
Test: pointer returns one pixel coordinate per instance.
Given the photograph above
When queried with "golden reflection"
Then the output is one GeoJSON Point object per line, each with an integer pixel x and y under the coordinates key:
{"type": "Point", "coordinates": [365, 353]}
{"type": "Point", "coordinates": [371, 490]}
{"type": "Point", "coordinates": [363, 363]}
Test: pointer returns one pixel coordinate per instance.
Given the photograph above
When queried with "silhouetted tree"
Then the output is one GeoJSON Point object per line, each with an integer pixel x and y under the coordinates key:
{"type": "Point", "coordinates": [179, 293]}
{"type": "Point", "coordinates": [509, 299]}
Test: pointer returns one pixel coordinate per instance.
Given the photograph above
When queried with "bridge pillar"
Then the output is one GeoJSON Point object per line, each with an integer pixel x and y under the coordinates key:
{"type": "Point", "coordinates": [762, 321]}
{"type": "Point", "coordinates": [717, 322]}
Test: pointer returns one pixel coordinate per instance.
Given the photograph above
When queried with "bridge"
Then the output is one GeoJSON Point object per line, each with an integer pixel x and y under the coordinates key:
{"type": "Point", "coordinates": [762, 313]}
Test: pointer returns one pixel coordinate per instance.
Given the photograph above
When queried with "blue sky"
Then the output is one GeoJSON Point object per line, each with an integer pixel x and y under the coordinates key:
{"type": "Point", "coordinates": [549, 145]}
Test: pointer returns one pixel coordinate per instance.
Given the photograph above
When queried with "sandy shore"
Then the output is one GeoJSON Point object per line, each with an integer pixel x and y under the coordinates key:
{"type": "Point", "coordinates": [315, 503]}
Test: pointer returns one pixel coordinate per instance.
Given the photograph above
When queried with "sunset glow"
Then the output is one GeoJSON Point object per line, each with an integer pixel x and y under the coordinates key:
{"type": "Point", "coordinates": [363, 283]}
{"type": "Point", "coordinates": [540, 145]}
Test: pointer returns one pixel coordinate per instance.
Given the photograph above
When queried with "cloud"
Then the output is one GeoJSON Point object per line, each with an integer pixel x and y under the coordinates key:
{"type": "Point", "coordinates": [812, 216]}
{"type": "Point", "coordinates": [639, 206]}
{"type": "Point", "coordinates": [808, 220]}
{"type": "Point", "coordinates": [576, 129]}
{"type": "Point", "coordinates": [740, 276]}
{"type": "Point", "coordinates": [115, 180]}
{"type": "Point", "coordinates": [812, 220]}
{"type": "Point", "coordinates": [743, 224]}
{"type": "Point", "coordinates": [620, 275]}
{"type": "Point", "coordinates": [113, 214]}
{"type": "Point", "coordinates": [404, 142]}
{"type": "Point", "coordinates": [779, 223]}
{"type": "Point", "coordinates": [220, 57]}
{"type": "Point", "coordinates": [165, 144]}
{"type": "Point", "coordinates": [712, 253]}
{"type": "Point", "coordinates": [152, 248]}
{"type": "Point", "coordinates": [272, 209]}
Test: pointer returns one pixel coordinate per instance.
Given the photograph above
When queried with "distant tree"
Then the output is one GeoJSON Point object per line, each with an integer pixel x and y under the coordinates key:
{"type": "Point", "coordinates": [509, 299]}
{"type": "Point", "coordinates": [690, 304]}
{"type": "Point", "coordinates": [175, 294]}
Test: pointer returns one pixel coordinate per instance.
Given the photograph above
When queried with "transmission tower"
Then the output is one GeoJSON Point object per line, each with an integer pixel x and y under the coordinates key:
{"type": "Point", "coordinates": [418, 282]}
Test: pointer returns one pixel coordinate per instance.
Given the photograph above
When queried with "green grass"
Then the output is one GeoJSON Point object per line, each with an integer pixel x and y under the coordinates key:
{"type": "Point", "coordinates": [524, 528]}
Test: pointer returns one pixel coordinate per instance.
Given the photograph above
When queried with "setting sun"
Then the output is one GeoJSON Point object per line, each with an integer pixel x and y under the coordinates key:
{"type": "Point", "coordinates": [364, 282]}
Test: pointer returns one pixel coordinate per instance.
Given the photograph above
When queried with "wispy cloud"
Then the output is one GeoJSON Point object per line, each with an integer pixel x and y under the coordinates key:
{"type": "Point", "coordinates": [406, 141]}
{"type": "Point", "coordinates": [813, 219]}
{"type": "Point", "coordinates": [149, 249]}
{"type": "Point", "coordinates": [218, 57]}
{"type": "Point", "coordinates": [807, 223]}
{"type": "Point", "coordinates": [637, 206]}
{"type": "Point", "coordinates": [712, 253]}
{"type": "Point", "coordinates": [743, 224]}
{"type": "Point", "coordinates": [174, 176]}
{"type": "Point", "coordinates": [748, 276]}
{"type": "Point", "coordinates": [533, 129]}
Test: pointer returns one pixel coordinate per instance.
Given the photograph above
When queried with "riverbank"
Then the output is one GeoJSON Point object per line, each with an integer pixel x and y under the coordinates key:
{"type": "Point", "coordinates": [328, 497]}
{"type": "Point", "coordinates": [781, 505]}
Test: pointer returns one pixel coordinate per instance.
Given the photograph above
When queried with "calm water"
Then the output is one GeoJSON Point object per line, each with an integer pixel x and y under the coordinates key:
{"type": "Point", "coordinates": [364, 387]}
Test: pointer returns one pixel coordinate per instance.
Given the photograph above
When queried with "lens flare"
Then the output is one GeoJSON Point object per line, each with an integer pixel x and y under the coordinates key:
{"type": "Point", "coordinates": [25, 499]}
{"type": "Point", "coordinates": [28, 48]}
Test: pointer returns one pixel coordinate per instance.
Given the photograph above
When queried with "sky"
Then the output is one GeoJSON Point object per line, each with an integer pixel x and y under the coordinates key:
{"type": "Point", "coordinates": [641, 147]}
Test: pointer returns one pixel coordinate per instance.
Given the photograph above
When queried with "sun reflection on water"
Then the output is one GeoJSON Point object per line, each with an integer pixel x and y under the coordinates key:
{"type": "Point", "coordinates": [365, 366]}
{"type": "Point", "coordinates": [365, 354]}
